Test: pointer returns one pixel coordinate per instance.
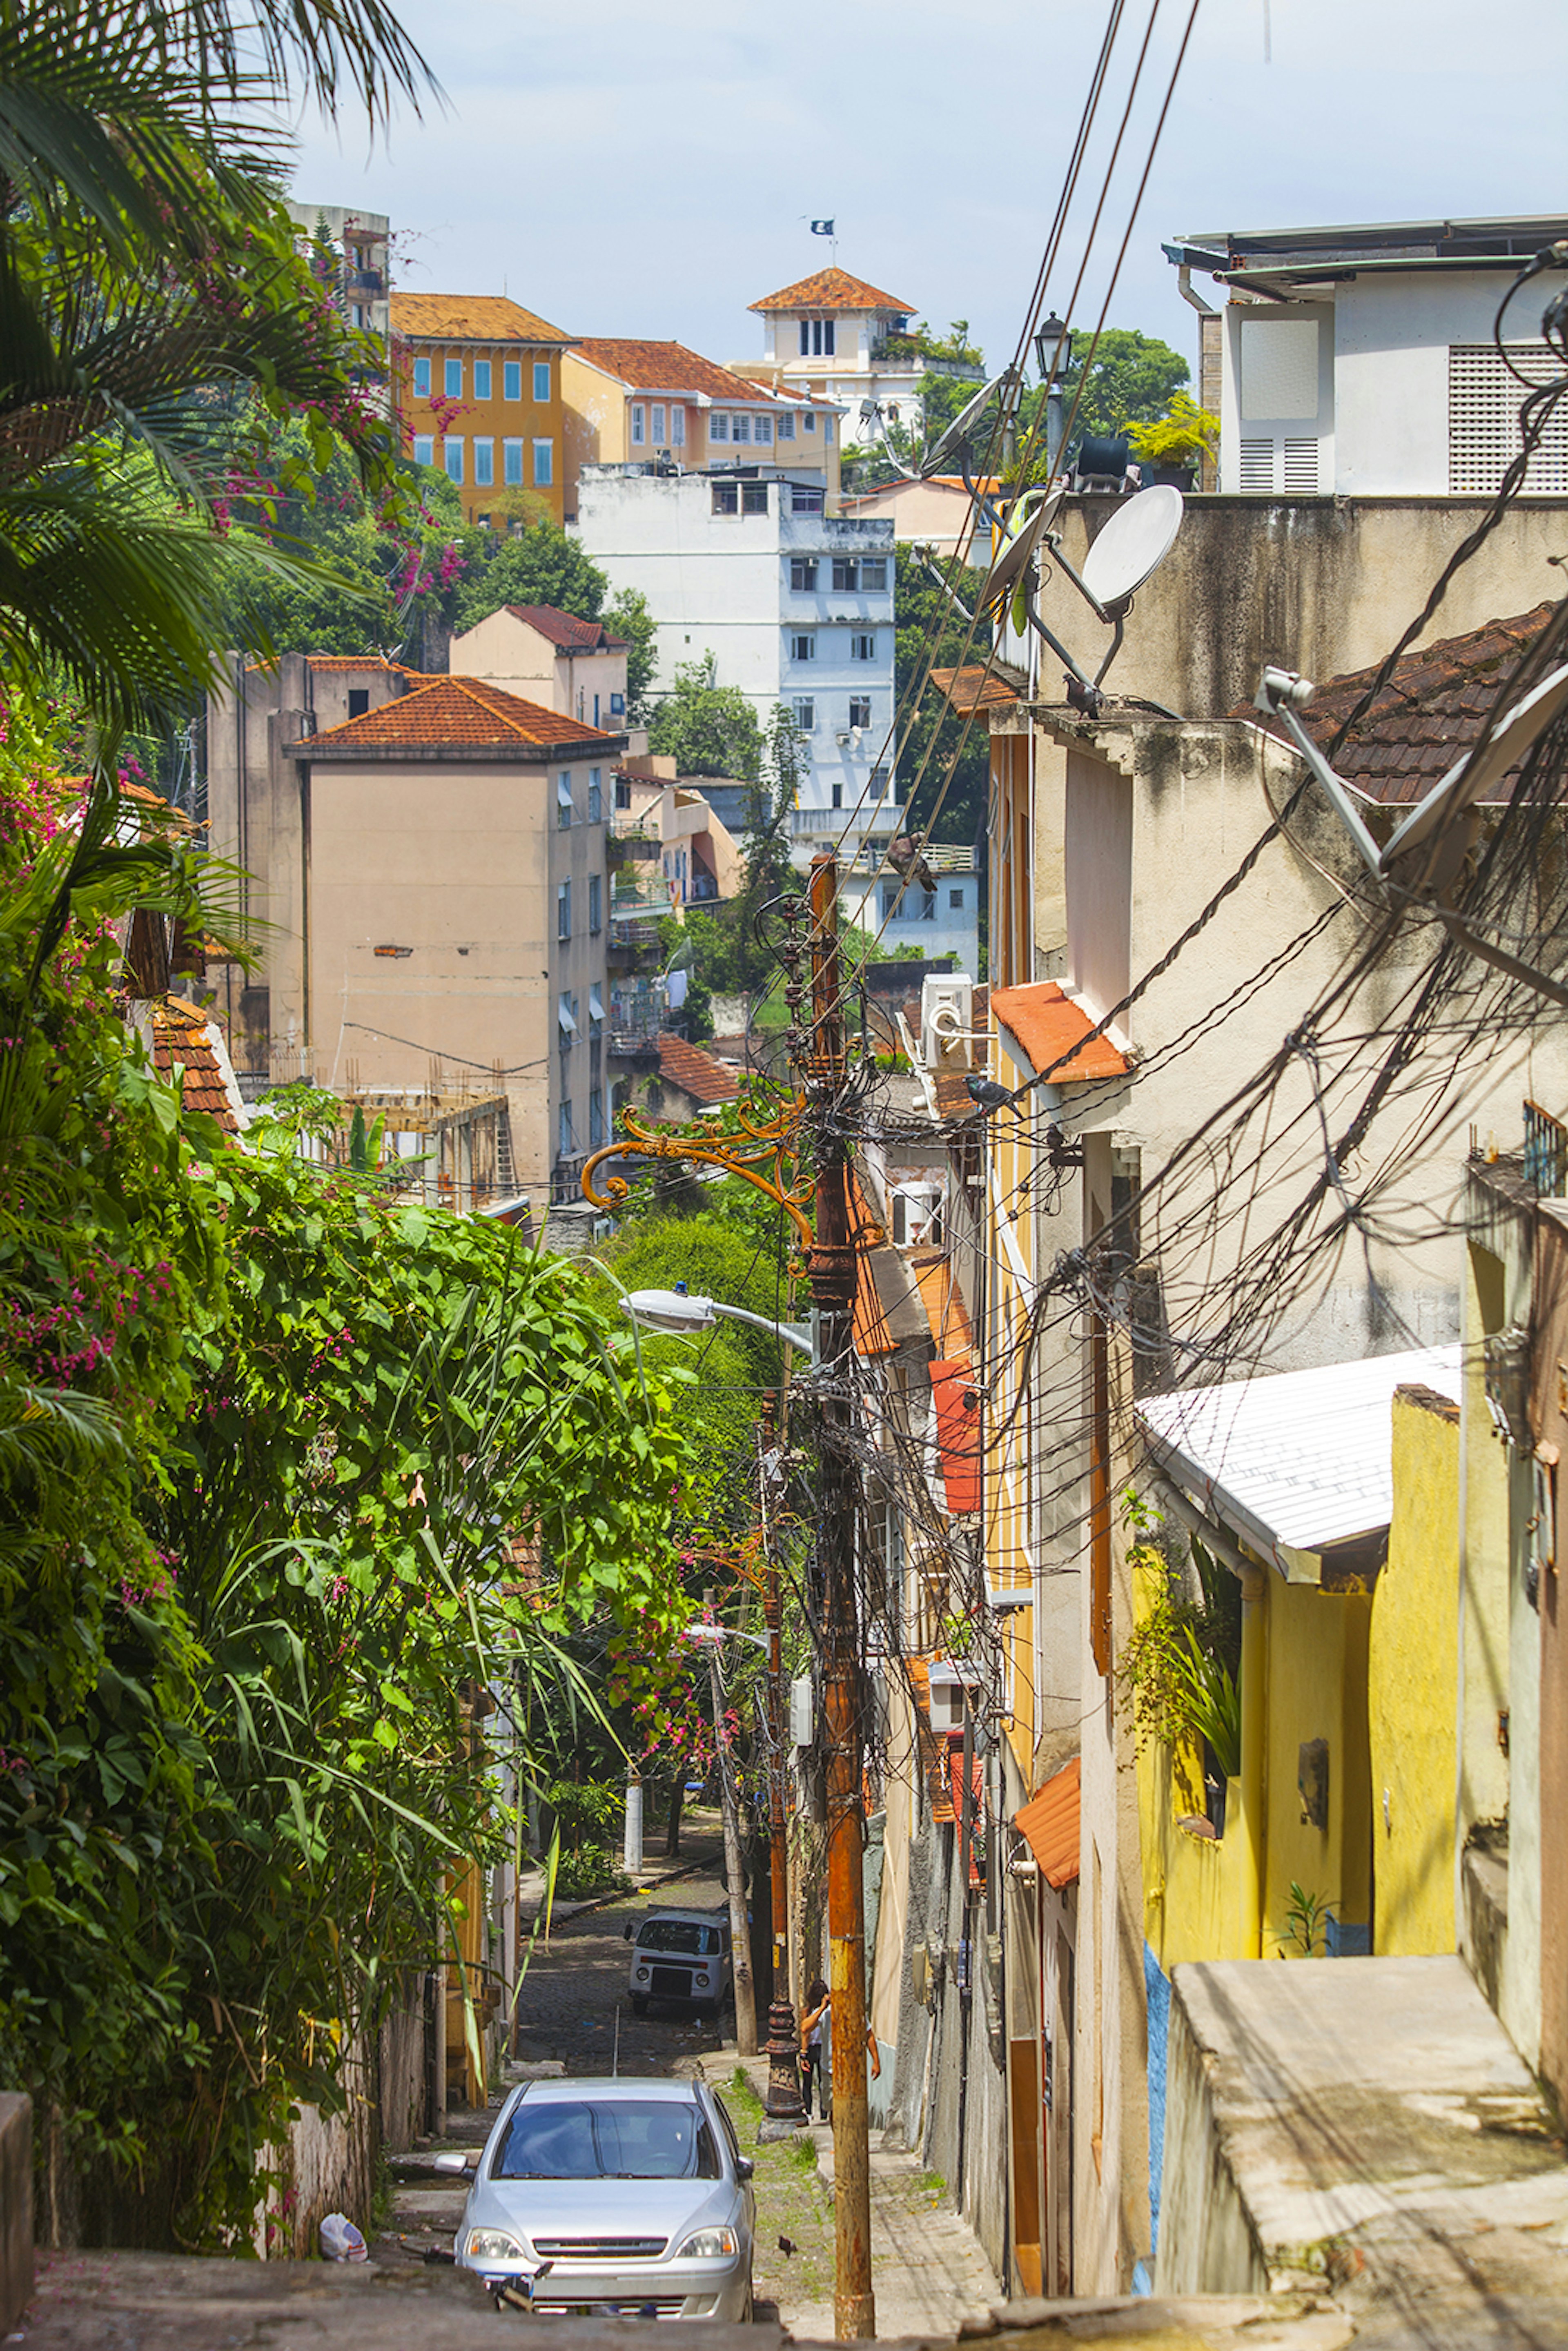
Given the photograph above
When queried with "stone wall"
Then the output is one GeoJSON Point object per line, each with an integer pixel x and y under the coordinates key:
{"type": "Point", "coordinates": [15, 2207]}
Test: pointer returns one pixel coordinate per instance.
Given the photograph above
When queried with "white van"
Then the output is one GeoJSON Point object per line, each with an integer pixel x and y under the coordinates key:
{"type": "Point", "coordinates": [680, 1955]}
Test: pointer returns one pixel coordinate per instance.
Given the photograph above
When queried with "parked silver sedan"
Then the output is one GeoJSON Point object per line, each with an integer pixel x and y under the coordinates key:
{"type": "Point", "coordinates": [622, 2197]}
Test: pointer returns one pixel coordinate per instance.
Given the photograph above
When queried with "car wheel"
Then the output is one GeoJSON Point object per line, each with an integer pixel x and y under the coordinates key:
{"type": "Point", "coordinates": [749, 2312]}
{"type": "Point", "coordinates": [638, 2003]}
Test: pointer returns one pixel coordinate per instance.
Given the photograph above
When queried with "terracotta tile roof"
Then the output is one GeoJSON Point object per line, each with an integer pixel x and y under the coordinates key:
{"type": "Point", "coordinates": [460, 710]}
{"type": "Point", "coordinates": [1432, 707]}
{"type": "Point", "coordinates": [697, 1073]}
{"type": "Point", "coordinates": [469, 318]}
{"type": "Point", "coordinates": [1049, 1823]}
{"type": "Point", "coordinates": [666, 367]}
{"type": "Point", "coordinates": [1043, 1025]}
{"type": "Point", "coordinates": [974, 687]}
{"type": "Point", "coordinates": [182, 1037]}
{"type": "Point", "coordinates": [565, 630]}
{"type": "Point", "coordinates": [833, 289]}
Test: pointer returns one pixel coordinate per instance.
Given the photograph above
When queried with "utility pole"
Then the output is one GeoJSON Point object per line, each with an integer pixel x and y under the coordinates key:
{"type": "Point", "coordinates": [833, 1267]}
{"type": "Point", "coordinates": [735, 1871]}
{"type": "Point", "coordinates": [785, 2108]}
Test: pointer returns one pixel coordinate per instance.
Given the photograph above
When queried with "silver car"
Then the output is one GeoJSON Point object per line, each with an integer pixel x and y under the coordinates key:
{"type": "Point", "coordinates": [623, 2197]}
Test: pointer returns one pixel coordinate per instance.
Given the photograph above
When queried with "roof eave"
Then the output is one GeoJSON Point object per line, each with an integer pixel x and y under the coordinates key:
{"type": "Point", "coordinates": [321, 747]}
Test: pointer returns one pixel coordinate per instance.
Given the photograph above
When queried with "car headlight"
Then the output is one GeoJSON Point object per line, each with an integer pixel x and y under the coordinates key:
{"type": "Point", "coordinates": [642, 1975]}
{"type": "Point", "coordinates": [701, 1976]}
{"type": "Point", "coordinates": [709, 2245]}
{"type": "Point", "coordinates": [493, 2245]}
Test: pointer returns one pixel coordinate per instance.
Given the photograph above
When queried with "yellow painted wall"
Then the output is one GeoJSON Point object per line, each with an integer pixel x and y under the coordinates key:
{"type": "Point", "coordinates": [1317, 1689]}
{"type": "Point", "coordinates": [1411, 1686]}
{"type": "Point", "coordinates": [497, 419]}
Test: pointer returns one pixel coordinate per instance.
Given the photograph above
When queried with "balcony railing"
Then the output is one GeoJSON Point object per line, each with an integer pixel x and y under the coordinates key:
{"type": "Point", "coordinates": [1545, 1152]}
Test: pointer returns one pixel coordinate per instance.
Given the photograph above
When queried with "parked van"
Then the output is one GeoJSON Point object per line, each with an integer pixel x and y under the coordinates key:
{"type": "Point", "coordinates": [681, 1955]}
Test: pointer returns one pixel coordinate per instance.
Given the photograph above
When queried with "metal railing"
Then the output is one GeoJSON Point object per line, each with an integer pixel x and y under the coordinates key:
{"type": "Point", "coordinates": [1545, 1152]}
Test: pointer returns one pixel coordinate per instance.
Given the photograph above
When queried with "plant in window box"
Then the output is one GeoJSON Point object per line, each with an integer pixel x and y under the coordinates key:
{"type": "Point", "coordinates": [1173, 448]}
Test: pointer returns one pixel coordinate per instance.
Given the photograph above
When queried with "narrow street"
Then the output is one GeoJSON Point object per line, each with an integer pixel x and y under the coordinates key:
{"type": "Point", "coordinates": [574, 2018]}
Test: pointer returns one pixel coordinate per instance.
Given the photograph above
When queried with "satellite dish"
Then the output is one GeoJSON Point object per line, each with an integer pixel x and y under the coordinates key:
{"type": "Point", "coordinates": [1133, 545]}
{"type": "Point", "coordinates": [965, 422]}
{"type": "Point", "coordinates": [1025, 532]}
{"type": "Point", "coordinates": [1468, 777]}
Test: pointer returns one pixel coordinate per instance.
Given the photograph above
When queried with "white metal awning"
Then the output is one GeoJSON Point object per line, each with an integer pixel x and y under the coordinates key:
{"type": "Point", "coordinates": [1298, 1461]}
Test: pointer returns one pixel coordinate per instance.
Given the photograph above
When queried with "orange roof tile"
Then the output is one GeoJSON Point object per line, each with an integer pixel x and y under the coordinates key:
{"type": "Point", "coordinates": [666, 367]}
{"type": "Point", "coordinates": [833, 289]}
{"type": "Point", "coordinates": [182, 1038]}
{"type": "Point", "coordinates": [1049, 1823]}
{"type": "Point", "coordinates": [956, 1402]}
{"type": "Point", "coordinates": [697, 1073]}
{"type": "Point", "coordinates": [974, 687]}
{"type": "Point", "coordinates": [469, 318]}
{"type": "Point", "coordinates": [460, 711]}
{"type": "Point", "coordinates": [1044, 1025]}
{"type": "Point", "coordinates": [565, 628]}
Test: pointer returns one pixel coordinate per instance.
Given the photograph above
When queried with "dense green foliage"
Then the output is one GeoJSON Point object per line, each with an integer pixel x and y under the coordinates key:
{"type": "Point", "coordinates": [627, 615]}
{"type": "Point", "coordinates": [538, 566]}
{"type": "Point", "coordinates": [706, 729]}
{"type": "Point", "coordinates": [938, 748]}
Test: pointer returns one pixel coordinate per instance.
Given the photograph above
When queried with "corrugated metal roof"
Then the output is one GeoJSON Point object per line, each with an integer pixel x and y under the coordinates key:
{"type": "Point", "coordinates": [1299, 1458]}
{"type": "Point", "coordinates": [1049, 1823]}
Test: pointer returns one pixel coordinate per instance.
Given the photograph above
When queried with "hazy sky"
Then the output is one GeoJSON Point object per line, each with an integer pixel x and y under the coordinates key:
{"type": "Point", "coordinates": [648, 169]}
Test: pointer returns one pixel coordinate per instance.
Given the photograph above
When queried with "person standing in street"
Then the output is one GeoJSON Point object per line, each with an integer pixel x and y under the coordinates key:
{"type": "Point", "coordinates": [819, 2012]}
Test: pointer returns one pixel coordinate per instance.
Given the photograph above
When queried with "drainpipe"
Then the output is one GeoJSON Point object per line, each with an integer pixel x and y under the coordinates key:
{"type": "Point", "coordinates": [1254, 1746]}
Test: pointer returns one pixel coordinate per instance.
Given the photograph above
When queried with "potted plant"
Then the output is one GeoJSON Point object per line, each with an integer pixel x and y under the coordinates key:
{"type": "Point", "coordinates": [1174, 447]}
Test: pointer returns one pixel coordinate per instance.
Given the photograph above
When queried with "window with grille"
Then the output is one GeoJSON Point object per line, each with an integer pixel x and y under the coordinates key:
{"type": "Point", "coordinates": [1483, 418]}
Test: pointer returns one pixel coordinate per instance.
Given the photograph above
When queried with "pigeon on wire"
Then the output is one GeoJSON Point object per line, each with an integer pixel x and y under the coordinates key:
{"type": "Point", "coordinates": [905, 855]}
{"type": "Point", "coordinates": [986, 1092]}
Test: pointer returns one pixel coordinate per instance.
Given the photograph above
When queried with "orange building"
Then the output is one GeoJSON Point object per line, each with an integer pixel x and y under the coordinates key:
{"type": "Point", "coordinates": [479, 395]}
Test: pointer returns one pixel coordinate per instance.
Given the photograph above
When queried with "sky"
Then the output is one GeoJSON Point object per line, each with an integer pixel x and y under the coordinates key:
{"type": "Point", "coordinates": [650, 170]}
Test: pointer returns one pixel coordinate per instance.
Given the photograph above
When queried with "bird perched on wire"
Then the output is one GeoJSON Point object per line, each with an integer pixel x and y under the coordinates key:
{"type": "Point", "coordinates": [986, 1092]}
{"type": "Point", "coordinates": [905, 854]}
{"type": "Point", "coordinates": [1087, 698]}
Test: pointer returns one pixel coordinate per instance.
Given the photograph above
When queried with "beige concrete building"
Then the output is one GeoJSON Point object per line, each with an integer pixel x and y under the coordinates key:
{"type": "Point", "coordinates": [549, 657]}
{"type": "Point", "coordinates": [697, 855]}
{"type": "Point", "coordinates": [429, 857]}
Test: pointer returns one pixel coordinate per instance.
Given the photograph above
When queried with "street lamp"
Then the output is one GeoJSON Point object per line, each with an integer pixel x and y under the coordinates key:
{"type": "Point", "coordinates": [1054, 349]}
{"type": "Point", "coordinates": [686, 1313]}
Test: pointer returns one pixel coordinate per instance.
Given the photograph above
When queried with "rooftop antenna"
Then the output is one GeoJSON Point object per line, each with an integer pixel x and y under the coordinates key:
{"type": "Point", "coordinates": [1124, 556]}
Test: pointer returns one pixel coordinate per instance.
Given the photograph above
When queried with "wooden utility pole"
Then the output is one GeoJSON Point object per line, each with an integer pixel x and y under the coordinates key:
{"type": "Point", "coordinates": [783, 2102]}
{"type": "Point", "coordinates": [832, 1268]}
{"type": "Point", "coordinates": [735, 1871]}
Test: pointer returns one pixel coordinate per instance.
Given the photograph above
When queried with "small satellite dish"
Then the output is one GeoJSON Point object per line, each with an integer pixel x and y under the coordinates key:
{"type": "Point", "coordinates": [1025, 531]}
{"type": "Point", "coordinates": [966, 422]}
{"type": "Point", "coordinates": [1133, 545]}
{"type": "Point", "coordinates": [1468, 777]}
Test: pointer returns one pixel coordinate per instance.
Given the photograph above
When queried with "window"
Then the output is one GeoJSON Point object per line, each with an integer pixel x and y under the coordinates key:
{"type": "Point", "coordinates": [484, 464]}
{"type": "Point", "coordinates": [718, 425]}
{"type": "Point", "coordinates": [810, 421]}
{"type": "Point", "coordinates": [740, 428]}
{"type": "Point", "coordinates": [838, 796]}
{"type": "Point", "coordinates": [787, 428]}
{"type": "Point", "coordinates": [595, 796]}
{"type": "Point", "coordinates": [845, 573]}
{"type": "Point", "coordinates": [677, 428]}
{"type": "Point", "coordinates": [451, 450]}
{"type": "Point", "coordinates": [817, 338]}
{"type": "Point", "coordinates": [827, 428]}
{"type": "Point", "coordinates": [544, 464]}
{"type": "Point", "coordinates": [622, 793]}
{"type": "Point", "coordinates": [422, 379]}
{"type": "Point", "coordinates": [805, 714]}
{"type": "Point", "coordinates": [754, 498]}
{"type": "Point", "coordinates": [595, 904]}
{"type": "Point", "coordinates": [862, 648]}
{"type": "Point", "coordinates": [656, 424]}
{"type": "Point", "coordinates": [541, 379]}
{"type": "Point", "coordinates": [358, 701]}
{"type": "Point", "coordinates": [512, 464]}
{"type": "Point", "coordinates": [424, 448]}
{"type": "Point", "coordinates": [805, 501]}
{"type": "Point", "coordinates": [907, 905]}
{"type": "Point", "coordinates": [595, 1012]}
{"type": "Point", "coordinates": [565, 1020]}
{"type": "Point", "coordinates": [511, 379]}
{"type": "Point", "coordinates": [452, 374]}
{"type": "Point", "coordinates": [564, 809]}
{"type": "Point", "coordinates": [563, 909]}
{"type": "Point", "coordinates": [874, 577]}
{"type": "Point", "coordinates": [639, 424]}
{"type": "Point", "coordinates": [803, 648]}
{"type": "Point", "coordinates": [595, 1117]}
{"type": "Point", "coordinates": [618, 706]}
{"type": "Point", "coordinates": [567, 1138]}
{"type": "Point", "coordinates": [860, 710]}
{"type": "Point", "coordinates": [802, 573]}
{"type": "Point", "coordinates": [726, 498]}
{"type": "Point", "coordinates": [762, 428]}
{"type": "Point", "coordinates": [481, 378]}
{"type": "Point", "coordinates": [956, 901]}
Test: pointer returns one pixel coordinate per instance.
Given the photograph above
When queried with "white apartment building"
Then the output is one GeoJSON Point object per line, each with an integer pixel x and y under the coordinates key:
{"type": "Point", "coordinates": [1359, 361]}
{"type": "Point", "coordinates": [361, 240]}
{"type": "Point", "coordinates": [908, 918]}
{"type": "Point", "coordinates": [833, 333]}
{"type": "Point", "coordinates": [794, 605]}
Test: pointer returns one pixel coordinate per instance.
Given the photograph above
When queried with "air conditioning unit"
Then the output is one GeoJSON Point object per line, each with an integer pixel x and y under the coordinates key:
{"type": "Point", "coordinates": [948, 1684]}
{"type": "Point", "coordinates": [946, 1016]}
{"type": "Point", "coordinates": [802, 1712]}
{"type": "Point", "coordinates": [842, 741]}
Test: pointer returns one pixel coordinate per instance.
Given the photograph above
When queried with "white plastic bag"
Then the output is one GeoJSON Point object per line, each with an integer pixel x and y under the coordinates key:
{"type": "Point", "coordinates": [341, 2241]}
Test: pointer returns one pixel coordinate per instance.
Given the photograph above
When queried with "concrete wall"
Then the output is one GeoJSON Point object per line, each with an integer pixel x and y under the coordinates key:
{"type": "Point", "coordinates": [1412, 1683]}
{"type": "Point", "coordinates": [1317, 1689]}
{"type": "Point", "coordinates": [510, 654]}
{"type": "Point", "coordinates": [1322, 585]}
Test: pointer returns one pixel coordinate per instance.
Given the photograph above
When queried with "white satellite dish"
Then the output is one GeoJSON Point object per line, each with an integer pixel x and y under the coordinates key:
{"type": "Point", "coordinates": [1025, 531]}
{"type": "Point", "coordinates": [965, 422]}
{"type": "Point", "coordinates": [1468, 777]}
{"type": "Point", "coordinates": [1133, 545]}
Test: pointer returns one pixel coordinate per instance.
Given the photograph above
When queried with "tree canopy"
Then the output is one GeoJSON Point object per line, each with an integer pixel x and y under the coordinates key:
{"type": "Point", "coordinates": [541, 565]}
{"type": "Point", "coordinates": [707, 729]}
{"type": "Point", "coordinates": [935, 739]}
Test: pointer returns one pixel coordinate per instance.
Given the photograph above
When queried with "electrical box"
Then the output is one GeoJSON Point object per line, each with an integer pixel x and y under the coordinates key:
{"type": "Point", "coordinates": [946, 1016]}
{"type": "Point", "coordinates": [802, 1712]}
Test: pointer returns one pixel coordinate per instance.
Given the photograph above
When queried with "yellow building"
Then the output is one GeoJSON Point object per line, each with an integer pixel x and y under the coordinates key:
{"type": "Point", "coordinates": [478, 388]}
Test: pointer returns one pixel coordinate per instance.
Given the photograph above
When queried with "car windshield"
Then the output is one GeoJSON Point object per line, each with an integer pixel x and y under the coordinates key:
{"type": "Point", "coordinates": [624, 2138]}
{"type": "Point", "coordinates": [679, 1935]}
